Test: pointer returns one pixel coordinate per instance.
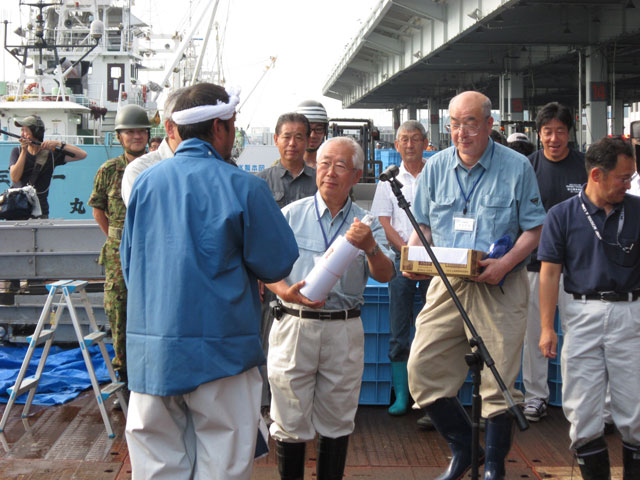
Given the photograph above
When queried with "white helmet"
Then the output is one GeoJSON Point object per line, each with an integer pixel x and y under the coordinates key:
{"type": "Point", "coordinates": [314, 111]}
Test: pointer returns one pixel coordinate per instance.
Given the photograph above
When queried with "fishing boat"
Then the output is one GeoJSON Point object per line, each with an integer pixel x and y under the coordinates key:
{"type": "Point", "coordinates": [80, 60]}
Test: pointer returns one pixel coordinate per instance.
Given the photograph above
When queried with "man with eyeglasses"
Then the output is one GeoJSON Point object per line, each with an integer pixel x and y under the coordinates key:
{"type": "Point", "coordinates": [132, 130]}
{"type": "Point", "coordinates": [289, 179]}
{"type": "Point", "coordinates": [560, 172]}
{"type": "Point", "coordinates": [316, 352]}
{"type": "Point", "coordinates": [592, 239]}
{"type": "Point", "coordinates": [411, 141]}
{"type": "Point", "coordinates": [319, 122]}
{"type": "Point", "coordinates": [469, 196]}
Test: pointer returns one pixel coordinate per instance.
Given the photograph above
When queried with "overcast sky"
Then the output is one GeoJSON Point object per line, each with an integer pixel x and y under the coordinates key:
{"type": "Point", "coordinates": [308, 38]}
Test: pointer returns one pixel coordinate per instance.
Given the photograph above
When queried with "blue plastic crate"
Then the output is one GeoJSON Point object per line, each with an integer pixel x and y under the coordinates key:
{"type": "Point", "coordinates": [375, 393]}
{"type": "Point", "coordinates": [376, 346]}
{"type": "Point", "coordinates": [375, 311]}
{"type": "Point", "coordinates": [555, 393]}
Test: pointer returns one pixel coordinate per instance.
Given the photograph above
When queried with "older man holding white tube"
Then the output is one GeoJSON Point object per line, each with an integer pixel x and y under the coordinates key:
{"type": "Point", "coordinates": [316, 353]}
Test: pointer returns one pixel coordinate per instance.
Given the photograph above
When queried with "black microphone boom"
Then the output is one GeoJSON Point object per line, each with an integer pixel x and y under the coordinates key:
{"type": "Point", "coordinates": [391, 172]}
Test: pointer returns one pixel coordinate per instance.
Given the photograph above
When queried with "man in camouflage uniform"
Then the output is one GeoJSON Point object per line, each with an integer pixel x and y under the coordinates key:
{"type": "Point", "coordinates": [132, 130]}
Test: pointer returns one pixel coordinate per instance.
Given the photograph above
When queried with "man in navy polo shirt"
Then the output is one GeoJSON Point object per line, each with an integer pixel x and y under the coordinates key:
{"type": "Point", "coordinates": [593, 239]}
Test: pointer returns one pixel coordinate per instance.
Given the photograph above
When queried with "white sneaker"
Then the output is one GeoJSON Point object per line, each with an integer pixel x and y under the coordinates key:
{"type": "Point", "coordinates": [535, 409]}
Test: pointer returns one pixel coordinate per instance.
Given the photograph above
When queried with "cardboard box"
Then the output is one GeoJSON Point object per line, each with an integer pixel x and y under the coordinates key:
{"type": "Point", "coordinates": [456, 262]}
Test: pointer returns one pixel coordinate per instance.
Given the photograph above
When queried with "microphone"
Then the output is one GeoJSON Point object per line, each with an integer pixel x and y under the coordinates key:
{"type": "Point", "coordinates": [390, 173]}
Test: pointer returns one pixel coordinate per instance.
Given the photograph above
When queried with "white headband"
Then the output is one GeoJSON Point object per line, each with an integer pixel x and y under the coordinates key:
{"type": "Point", "coordinates": [223, 111]}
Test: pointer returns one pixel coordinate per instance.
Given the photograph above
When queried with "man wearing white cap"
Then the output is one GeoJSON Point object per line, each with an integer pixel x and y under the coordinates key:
{"type": "Point", "coordinates": [199, 233]}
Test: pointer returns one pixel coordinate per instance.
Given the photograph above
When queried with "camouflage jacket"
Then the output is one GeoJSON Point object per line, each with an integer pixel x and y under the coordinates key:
{"type": "Point", "coordinates": [106, 196]}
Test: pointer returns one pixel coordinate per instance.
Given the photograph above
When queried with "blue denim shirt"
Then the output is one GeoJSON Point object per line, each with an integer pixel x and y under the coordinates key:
{"type": "Point", "coordinates": [505, 200]}
{"type": "Point", "coordinates": [303, 220]}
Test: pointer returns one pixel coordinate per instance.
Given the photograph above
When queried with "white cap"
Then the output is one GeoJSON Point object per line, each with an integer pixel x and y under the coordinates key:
{"type": "Point", "coordinates": [518, 137]}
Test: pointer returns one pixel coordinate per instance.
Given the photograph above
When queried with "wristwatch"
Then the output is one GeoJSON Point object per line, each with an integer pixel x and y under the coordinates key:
{"type": "Point", "coordinates": [374, 251]}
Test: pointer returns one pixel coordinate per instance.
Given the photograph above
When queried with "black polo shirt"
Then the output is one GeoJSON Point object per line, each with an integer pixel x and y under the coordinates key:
{"type": "Point", "coordinates": [591, 265]}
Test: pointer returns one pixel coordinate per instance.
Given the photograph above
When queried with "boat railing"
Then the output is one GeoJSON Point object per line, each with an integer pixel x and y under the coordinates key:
{"type": "Point", "coordinates": [107, 139]}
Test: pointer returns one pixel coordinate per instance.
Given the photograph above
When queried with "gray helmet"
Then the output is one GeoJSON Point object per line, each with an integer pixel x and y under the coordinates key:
{"type": "Point", "coordinates": [314, 111]}
{"type": "Point", "coordinates": [132, 116]}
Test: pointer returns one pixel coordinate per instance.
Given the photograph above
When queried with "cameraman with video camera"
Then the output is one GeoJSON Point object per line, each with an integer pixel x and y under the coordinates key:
{"type": "Point", "coordinates": [34, 161]}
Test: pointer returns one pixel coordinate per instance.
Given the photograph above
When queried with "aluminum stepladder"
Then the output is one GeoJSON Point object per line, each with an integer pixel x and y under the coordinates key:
{"type": "Point", "coordinates": [66, 289]}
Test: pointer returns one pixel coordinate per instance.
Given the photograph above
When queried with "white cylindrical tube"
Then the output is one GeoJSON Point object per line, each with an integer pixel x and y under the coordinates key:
{"type": "Point", "coordinates": [328, 270]}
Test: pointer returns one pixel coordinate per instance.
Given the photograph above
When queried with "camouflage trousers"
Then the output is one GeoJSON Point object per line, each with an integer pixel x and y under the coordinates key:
{"type": "Point", "coordinates": [115, 304]}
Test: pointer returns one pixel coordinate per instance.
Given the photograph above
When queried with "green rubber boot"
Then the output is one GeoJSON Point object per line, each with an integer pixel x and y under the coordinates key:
{"type": "Point", "coordinates": [400, 381]}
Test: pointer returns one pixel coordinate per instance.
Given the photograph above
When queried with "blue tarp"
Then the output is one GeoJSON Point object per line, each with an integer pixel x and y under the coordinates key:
{"type": "Point", "coordinates": [64, 377]}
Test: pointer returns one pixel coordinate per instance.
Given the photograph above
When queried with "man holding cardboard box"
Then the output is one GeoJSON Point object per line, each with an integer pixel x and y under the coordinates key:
{"type": "Point", "coordinates": [469, 196]}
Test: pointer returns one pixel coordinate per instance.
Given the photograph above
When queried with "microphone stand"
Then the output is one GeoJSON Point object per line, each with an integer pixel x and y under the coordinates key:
{"type": "Point", "coordinates": [480, 355]}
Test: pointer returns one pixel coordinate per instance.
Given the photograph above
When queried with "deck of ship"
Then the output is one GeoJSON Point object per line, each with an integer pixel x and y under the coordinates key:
{"type": "Point", "coordinates": [70, 442]}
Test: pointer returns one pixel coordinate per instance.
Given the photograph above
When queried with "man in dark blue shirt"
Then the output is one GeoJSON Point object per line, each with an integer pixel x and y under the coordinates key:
{"type": "Point", "coordinates": [560, 173]}
{"type": "Point", "coordinates": [593, 239]}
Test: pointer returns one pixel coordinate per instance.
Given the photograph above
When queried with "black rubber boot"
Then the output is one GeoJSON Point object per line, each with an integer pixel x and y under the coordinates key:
{"type": "Point", "coordinates": [630, 462]}
{"type": "Point", "coordinates": [498, 435]}
{"type": "Point", "coordinates": [452, 422]}
{"type": "Point", "coordinates": [290, 460]}
{"type": "Point", "coordinates": [593, 459]}
{"type": "Point", "coordinates": [332, 456]}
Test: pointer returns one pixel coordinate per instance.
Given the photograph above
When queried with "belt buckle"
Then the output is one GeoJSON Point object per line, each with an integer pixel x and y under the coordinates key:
{"type": "Point", "coordinates": [607, 296]}
{"type": "Point", "coordinates": [324, 315]}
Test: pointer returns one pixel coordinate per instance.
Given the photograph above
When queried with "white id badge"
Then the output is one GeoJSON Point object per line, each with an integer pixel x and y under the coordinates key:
{"type": "Point", "coordinates": [463, 223]}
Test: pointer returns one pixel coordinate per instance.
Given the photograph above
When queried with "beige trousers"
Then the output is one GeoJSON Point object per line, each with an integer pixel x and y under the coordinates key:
{"type": "Point", "coordinates": [315, 371]}
{"type": "Point", "coordinates": [437, 368]}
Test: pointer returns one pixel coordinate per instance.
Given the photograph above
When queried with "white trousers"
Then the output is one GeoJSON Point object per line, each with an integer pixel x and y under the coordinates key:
{"type": "Point", "coordinates": [601, 344]}
{"type": "Point", "coordinates": [315, 371]}
{"type": "Point", "coordinates": [209, 433]}
{"type": "Point", "coordinates": [535, 366]}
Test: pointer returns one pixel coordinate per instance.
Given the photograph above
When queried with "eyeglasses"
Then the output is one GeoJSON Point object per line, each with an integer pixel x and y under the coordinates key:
{"type": "Point", "coordinates": [338, 167]}
{"type": "Point", "coordinates": [318, 130]}
{"type": "Point", "coordinates": [413, 139]}
{"type": "Point", "coordinates": [471, 130]}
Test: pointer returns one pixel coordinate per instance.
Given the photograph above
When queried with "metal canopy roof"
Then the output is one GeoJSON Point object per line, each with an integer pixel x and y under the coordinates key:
{"type": "Point", "coordinates": [411, 50]}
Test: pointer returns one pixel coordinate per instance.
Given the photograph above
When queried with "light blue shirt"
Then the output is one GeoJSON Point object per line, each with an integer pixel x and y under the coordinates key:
{"type": "Point", "coordinates": [303, 220]}
{"type": "Point", "coordinates": [505, 200]}
{"type": "Point", "coordinates": [198, 235]}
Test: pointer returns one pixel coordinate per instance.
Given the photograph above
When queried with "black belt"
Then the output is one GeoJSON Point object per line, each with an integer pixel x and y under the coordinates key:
{"type": "Point", "coordinates": [609, 296]}
{"type": "Point", "coordinates": [321, 314]}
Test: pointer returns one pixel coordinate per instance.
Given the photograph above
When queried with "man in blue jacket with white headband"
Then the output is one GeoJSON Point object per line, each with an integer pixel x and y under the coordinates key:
{"type": "Point", "coordinates": [198, 235]}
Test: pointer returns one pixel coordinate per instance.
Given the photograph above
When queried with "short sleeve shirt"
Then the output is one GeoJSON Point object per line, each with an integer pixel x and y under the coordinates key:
{"type": "Point", "coordinates": [385, 203]}
{"type": "Point", "coordinates": [302, 217]}
{"type": "Point", "coordinates": [43, 181]}
{"type": "Point", "coordinates": [591, 265]}
{"type": "Point", "coordinates": [502, 191]}
{"type": "Point", "coordinates": [285, 188]}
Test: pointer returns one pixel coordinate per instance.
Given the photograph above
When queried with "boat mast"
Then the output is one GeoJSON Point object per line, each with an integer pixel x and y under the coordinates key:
{"type": "Point", "coordinates": [181, 49]}
{"type": "Point", "coordinates": [196, 71]}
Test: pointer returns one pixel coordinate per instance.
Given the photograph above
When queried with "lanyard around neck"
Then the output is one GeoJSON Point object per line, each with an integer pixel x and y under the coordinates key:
{"type": "Point", "coordinates": [595, 228]}
{"type": "Point", "coordinates": [468, 197]}
{"type": "Point", "coordinates": [328, 243]}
